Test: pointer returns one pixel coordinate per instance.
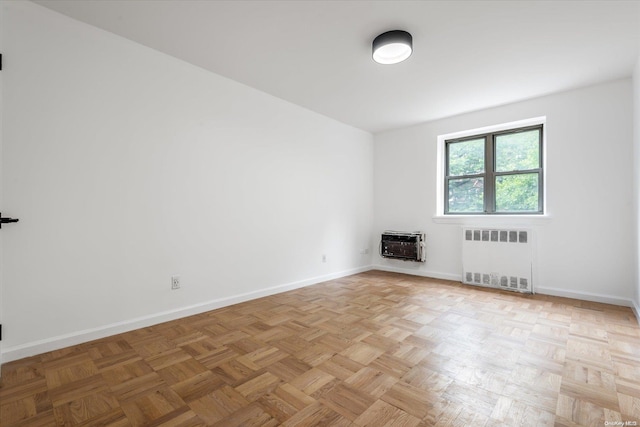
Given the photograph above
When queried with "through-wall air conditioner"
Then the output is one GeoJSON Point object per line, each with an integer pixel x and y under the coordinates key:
{"type": "Point", "coordinates": [403, 245]}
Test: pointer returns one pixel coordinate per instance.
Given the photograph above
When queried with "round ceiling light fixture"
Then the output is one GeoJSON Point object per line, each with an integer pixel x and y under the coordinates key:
{"type": "Point", "coordinates": [392, 47]}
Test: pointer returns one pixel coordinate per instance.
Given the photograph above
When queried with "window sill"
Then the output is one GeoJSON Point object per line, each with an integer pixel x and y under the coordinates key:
{"type": "Point", "coordinates": [493, 220]}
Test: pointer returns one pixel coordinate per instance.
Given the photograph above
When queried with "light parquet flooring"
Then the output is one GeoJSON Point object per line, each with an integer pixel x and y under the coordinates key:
{"type": "Point", "coordinates": [373, 349]}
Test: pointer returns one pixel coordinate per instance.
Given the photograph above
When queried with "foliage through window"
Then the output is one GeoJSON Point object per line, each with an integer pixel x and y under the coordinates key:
{"type": "Point", "coordinates": [495, 173]}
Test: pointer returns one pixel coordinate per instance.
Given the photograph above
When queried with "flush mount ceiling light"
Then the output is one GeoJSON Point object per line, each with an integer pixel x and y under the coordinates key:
{"type": "Point", "coordinates": [392, 47]}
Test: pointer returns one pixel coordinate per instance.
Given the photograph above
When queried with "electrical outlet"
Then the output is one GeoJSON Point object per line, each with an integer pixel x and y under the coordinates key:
{"type": "Point", "coordinates": [175, 282]}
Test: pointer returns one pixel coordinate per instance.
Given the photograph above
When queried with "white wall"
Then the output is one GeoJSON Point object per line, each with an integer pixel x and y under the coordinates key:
{"type": "Point", "coordinates": [126, 166]}
{"type": "Point", "coordinates": [586, 248]}
{"type": "Point", "coordinates": [636, 180]}
{"type": "Point", "coordinates": [1, 135]}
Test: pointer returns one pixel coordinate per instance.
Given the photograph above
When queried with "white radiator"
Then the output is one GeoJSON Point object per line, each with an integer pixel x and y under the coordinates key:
{"type": "Point", "coordinates": [498, 258]}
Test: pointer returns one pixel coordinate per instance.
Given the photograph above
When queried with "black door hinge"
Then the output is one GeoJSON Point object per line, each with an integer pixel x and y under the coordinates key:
{"type": "Point", "coordinates": [0, 332]}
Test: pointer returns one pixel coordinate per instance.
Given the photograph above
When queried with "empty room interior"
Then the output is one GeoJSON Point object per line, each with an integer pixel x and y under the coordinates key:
{"type": "Point", "coordinates": [319, 213]}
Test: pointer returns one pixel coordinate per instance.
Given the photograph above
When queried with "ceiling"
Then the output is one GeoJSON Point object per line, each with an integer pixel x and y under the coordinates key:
{"type": "Point", "coordinates": [468, 55]}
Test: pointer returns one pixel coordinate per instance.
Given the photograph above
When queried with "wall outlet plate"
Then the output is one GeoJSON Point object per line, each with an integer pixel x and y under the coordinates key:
{"type": "Point", "coordinates": [175, 282]}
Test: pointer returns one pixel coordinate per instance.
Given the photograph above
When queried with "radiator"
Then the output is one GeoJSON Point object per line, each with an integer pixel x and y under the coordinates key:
{"type": "Point", "coordinates": [498, 258]}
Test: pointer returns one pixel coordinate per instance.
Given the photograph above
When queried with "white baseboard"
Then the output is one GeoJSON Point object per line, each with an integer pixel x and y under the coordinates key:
{"type": "Point", "coordinates": [42, 346]}
{"type": "Point", "coordinates": [422, 273]}
{"type": "Point", "coordinates": [585, 296]}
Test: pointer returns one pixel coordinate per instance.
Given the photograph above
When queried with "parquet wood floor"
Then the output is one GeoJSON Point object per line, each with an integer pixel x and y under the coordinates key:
{"type": "Point", "coordinates": [373, 349]}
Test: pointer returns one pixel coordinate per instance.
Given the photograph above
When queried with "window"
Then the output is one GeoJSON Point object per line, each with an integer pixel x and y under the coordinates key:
{"type": "Point", "coordinates": [498, 172]}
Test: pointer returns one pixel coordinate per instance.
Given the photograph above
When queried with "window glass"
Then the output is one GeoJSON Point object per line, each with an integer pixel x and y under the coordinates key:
{"type": "Point", "coordinates": [466, 195]}
{"type": "Point", "coordinates": [517, 193]}
{"type": "Point", "coordinates": [518, 151]}
{"type": "Point", "coordinates": [466, 157]}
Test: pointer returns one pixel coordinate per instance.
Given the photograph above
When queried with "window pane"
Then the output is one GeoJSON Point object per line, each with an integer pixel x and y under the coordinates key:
{"type": "Point", "coordinates": [517, 193]}
{"type": "Point", "coordinates": [518, 151]}
{"type": "Point", "coordinates": [466, 157]}
{"type": "Point", "coordinates": [466, 195]}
